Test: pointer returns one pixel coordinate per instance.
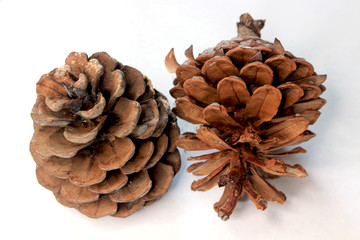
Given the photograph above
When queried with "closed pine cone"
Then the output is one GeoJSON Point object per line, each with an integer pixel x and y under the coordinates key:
{"type": "Point", "coordinates": [104, 139]}
{"type": "Point", "coordinates": [252, 98]}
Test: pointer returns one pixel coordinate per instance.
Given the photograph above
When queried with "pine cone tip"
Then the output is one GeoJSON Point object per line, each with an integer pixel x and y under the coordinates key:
{"type": "Point", "coordinates": [248, 27]}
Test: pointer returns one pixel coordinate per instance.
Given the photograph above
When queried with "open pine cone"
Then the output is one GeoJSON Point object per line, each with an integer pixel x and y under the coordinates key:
{"type": "Point", "coordinates": [104, 140]}
{"type": "Point", "coordinates": [252, 98]}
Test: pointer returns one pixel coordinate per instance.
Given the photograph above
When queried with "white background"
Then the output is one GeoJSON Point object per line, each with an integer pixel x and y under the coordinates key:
{"type": "Point", "coordinates": [36, 36]}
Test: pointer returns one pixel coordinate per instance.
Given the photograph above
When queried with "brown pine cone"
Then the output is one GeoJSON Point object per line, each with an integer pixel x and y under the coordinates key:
{"type": "Point", "coordinates": [252, 98]}
{"type": "Point", "coordinates": [104, 139]}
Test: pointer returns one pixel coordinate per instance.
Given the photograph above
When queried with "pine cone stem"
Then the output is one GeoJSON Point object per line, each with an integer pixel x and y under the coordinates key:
{"type": "Point", "coordinates": [229, 204]}
{"type": "Point", "coordinates": [248, 27]}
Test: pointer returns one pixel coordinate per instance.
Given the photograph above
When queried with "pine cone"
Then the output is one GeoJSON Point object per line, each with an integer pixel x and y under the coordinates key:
{"type": "Point", "coordinates": [252, 98]}
{"type": "Point", "coordinates": [104, 139]}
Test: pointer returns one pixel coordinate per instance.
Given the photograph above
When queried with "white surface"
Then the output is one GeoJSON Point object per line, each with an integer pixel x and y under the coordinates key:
{"type": "Point", "coordinates": [36, 36]}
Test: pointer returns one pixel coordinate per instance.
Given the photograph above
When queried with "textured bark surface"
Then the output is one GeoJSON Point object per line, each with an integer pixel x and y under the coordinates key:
{"type": "Point", "coordinates": [252, 98]}
{"type": "Point", "coordinates": [105, 139]}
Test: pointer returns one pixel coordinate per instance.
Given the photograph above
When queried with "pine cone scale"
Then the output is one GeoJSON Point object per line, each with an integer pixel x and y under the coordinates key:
{"type": "Point", "coordinates": [48, 181]}
{"type": "Point", "coordinates": [115, 153]}
{"type": "Point", "coordinates": [144, 152]}
{"type": "Point", "coordinates": [232, 91]}
{"type": "Point", "coordinates": [85, 171]}
{"type": "Point", "coordinates": [126, 209]}
{"type": "Point", "coordinates": [138, 185]}
{"type": "Point", "coordinates": [76, 194]}
{"type": "Point", "coordinates": [200, 90]}
{"type": "Point", "coordinates": [265, 189]}
{"type": "Point", "coordinates": [100, 208]}
{"type": "Point", "coordinates": [82, 133]}
{"type": "Point", "coordinates": [58, 167]}
{"type": "Point", "coordinates": [217, 116]}
{"type": "Point", "coordinates": [127, 113]}
{"type": "Point", "coordinates": [63, 201]}
{"type": "Point", "coordinates": [43, 116]}
{"type": "Point", "coordinates": [134, 82]}
{"type": "Point", "coordinates": [60, 147]}
{"type": "Point", "coordinates": [173, 159]}
{"type": "Point", "coordinates": [148, 121]}
{"type": "Point", "coordinates": [161, 145]}
{"type": "Point", "coordinates": [113, 85]}
{"type": "Point", "coordinates": [114, 181]}
{"type": "Point", "coordinates": [161, 176]}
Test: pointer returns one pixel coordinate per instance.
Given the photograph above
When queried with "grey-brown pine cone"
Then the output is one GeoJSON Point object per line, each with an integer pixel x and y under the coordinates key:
{"type": "Point", "coordinates": [104, 139]}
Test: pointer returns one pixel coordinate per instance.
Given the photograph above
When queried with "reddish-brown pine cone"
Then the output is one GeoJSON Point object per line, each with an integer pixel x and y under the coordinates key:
{"type": "Point", "coordinates": [252, 98]}
{"type": "Point", "coordinates": [105, 139]}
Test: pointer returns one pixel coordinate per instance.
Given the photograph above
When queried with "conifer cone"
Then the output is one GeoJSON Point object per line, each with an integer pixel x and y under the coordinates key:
{"type": "Point", "coordinates": [252, 99]}
{"type": "Point", "coordinates": [105, 139]}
